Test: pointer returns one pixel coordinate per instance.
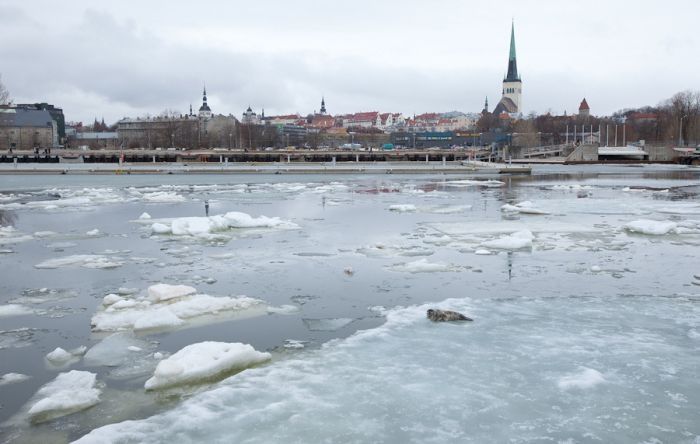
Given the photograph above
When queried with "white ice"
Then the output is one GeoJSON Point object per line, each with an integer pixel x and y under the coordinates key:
{"type": "Point", "coordinates": [327, 324]}
{"type": "Point", "coordinates": [422, 266]}
{"type": "Point", "coordinates": [13, 378]}
{"type": "Point", "coordinates": [516, 241]}
{"type": "Point", "coordinates": [10, 235]}
{"type": "Point", "coordinates": [170, 306]}
{"type": "Point", "coordinates": [62, 358]}
{"type": "Point", "coordinates": [202, 361]}
{"type": "Point", "coordinates": [163, 197]}
{"type": "Point", "coordinates": [470, 183]}
{"type": "Point", "coordinates": [402, 208]}
{"type": "Point", "coordinates": [83, 260]}
{"type": "Point", "coordinates": [144, 215]}
{"type": "Point", "coordinates": [199, 226]}
{"type": "Point", "coordinates": [651, 227]}
{"type": "Point", "coordinates": [69, 393]}
{"type": "Point", "coordinates": [14, 310]}
{"type": "Point", "coordinates": [525, 207]}
{"type": "Point", "coordinates": [586, 378]}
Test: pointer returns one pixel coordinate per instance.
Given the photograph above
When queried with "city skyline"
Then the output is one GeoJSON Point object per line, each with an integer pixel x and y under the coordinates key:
{"type": "Point", "coordinates": [131, 59]}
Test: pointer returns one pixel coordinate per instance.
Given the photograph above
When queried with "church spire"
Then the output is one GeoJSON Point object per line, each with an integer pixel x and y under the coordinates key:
{"type": "Point", "coordinates": [486, 105]}
{"type": "Point", "coordinates": [323, 105]}
{"type": "Point", "coordinates": [512, 61]}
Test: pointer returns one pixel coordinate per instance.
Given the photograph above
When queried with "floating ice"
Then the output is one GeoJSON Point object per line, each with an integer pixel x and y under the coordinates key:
{"type": "Point", "coordinates": [402, 208]}
{"type": "Point", "coordinates": [163, 197]}
{"type": "Point", "coordinates": [516, 241]}
{"type": "Point", "coordinates": [525, 207]}
{"type": "Point", "coordinates": [652, 227]}
{"type": "Point", "coordinates": [10, 235]}
{"type": "Point", "coordinates": [170, 306]}
{"type": "Point", "coordinates": [14, 310]}
{"type": "Point", "coordinates": [44, 234]}
{"type": "Point", "coordinates": [449, 209]}
{"type": "Point", "coordinates": [111, 299]}
{"type": "Point", "coordinates": [13, 378]}
{"type": "Point", "coordinates": [482, 252]}
{"type": "Point", "coordinates": [164, 292]}
{"type": "Point", "coordinates": [595, 268]}
{"type": "Point", "coordinates": [62, 358]}
{"type": "Point", "coordinates": [82, 260]}
{"type": "Point", "coordinates": [144, 215]}
{"type": "Point", "coordinates": [470, 183]}
{"type": "Point", "coordinates": [202, 361]}
{"type": "Point", "coordinates": [94, 232]}
{"type": "Point", "coordinates": [584, 379]}
{"type": "Point", "coordinates": [199, 226]}
{"type": "Point", "coordinates": [328, 324]}
{"type": "Point", "coordinates": [422, 266]}
{"type": "Point", "coordinates": [69, 393]}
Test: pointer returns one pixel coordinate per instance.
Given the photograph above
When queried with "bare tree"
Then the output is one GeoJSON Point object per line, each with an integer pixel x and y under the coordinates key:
{"type": "Point", "coordinates": [4, 93]}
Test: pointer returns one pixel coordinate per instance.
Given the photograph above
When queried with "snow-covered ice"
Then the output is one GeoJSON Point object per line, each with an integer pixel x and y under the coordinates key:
{"type": "Point", "coordinates": [82, 260]}
{"type": "Point", "coordinates": [202, 361]}
{"type": "Point", "coordinates": [652, 227]}
{"type": "Point", "coordinates": [201, 226]}
{"type": "Point", "coordinates": [62, 358]}
{"type": "Point", "coordinates": [144, 215]}
{"type": "Point", "coordinates": [585, 378]}
{"type": "Point", "coordinates": [14, 310]}
{"type": "Point", "coordinates": [170, 306]}
{"type": "Point", "coordinates": [423, 266]}
{"type": "Point", "coordinates": [402, 208]}
{"type": "Point", "coordinates": [13, 378]}
{"type": "Point", "coordinates": [516, 241]}
{"type": "Point", "coordinates": [525, 207]}
{"type": "Point", "coordinates": [69, 393]}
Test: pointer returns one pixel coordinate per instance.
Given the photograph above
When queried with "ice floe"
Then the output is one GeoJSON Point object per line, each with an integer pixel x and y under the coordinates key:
{"type": "Point", "coordinates": [14, 310]}
{"type": "Point", "coordinates": [126, 355]}
{"type": "Point", "coordinates": [423, 266]}
{"type": "Point", "coordinates": [144, 215]}
{"type": "Point", "coordinates": [10, 235]}
{"type": "Point", "coordinates": [490, 183]}
{"type": "Point", "coordinates": [69, 393]}
{"type": "Point", "coordinates": [515, 241]}
{"type": "Point", "coordinates": [584, 379]}
{"type": "Point", "coordinates": [82, 260]}
{"type": "Point", "coordinates": [61, 358]}
{"type": "Point", "coordinates": [652, 227]}
{"type": "Point", "coordinates": [163, 197]}
{"type": "Point", "coordinates": [13, 378]}
{"type": "Point", "coordinates": [170, 306]}
{"type": "Point", "coordinates": [525, 207]}
{"type": "Point", "coordinates": [93, 232]}
{"type": "Point", "coordinates": [402, 208]}
{"type": "Point", "coordinates": [202, 226]}
{"type": "Point", "coordinates": [327, 324]}
{"type": "Point", "coordinates": [204, 361]}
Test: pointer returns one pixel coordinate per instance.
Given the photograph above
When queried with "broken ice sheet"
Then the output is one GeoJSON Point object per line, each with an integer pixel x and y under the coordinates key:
{"type": "Point", "coordinates": [327, 324]}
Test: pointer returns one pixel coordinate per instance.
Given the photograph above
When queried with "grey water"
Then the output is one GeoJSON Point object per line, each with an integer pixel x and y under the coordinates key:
{"type": "Point", "coordinates": [589, 334]}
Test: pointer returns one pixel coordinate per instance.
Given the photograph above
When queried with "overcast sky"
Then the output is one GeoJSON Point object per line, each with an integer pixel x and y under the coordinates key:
{"type": "Point", "coordinates": [132, 58]}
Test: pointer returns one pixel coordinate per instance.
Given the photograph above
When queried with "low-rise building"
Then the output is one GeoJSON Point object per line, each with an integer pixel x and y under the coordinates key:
{"type": "Point", "coordinates": [26, 129]}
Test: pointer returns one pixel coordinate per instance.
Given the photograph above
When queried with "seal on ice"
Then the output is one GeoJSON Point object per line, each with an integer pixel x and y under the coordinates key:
{"type": "Point", "coordinates": [436, 315]}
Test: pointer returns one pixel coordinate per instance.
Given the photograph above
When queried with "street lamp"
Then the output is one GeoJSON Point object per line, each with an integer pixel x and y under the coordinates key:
{"type": "Point", "coordinates": [680, 131]}
{"type": "Point", "coordinates": [230, 135]}
{"type": "Point", "coordinates": [172, 139]}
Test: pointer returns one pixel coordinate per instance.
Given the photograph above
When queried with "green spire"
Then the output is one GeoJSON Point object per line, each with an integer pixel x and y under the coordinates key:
{"type": "Point", "coordinates": [512, 63]}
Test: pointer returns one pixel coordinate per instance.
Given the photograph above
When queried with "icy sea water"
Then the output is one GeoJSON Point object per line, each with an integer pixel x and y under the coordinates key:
{"type": "Point", "coordinates": [585, 329]}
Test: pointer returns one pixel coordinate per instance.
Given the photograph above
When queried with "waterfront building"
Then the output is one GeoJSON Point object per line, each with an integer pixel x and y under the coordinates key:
{"type": "Point", "coordinates": [250, 117]}
{"type": "Point", "coordinates": [26, 128]}
{"type": "Point", "coordinates": [511, 99]}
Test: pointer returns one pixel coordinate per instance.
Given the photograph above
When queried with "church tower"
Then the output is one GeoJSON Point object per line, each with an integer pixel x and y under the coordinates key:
{"type": "Point", "coordinates": [512, 85]}
{"type": "Point", "coordinates": [204, 110]}
{"type": "Point", "coordinates": [323, 106]}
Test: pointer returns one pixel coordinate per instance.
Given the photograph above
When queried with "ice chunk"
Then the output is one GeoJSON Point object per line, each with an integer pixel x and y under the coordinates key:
{"type": "Point", "coordinates": [144, 215]}
{"type": "Point", "coordinates": [12, 378]}
{"type": "Point", "coordinates": [525, 207]}
{"type": "Point", "coordinates": [44, 234]}
{"type": "Point", "coordinates": [14, 310]}
{"type": "Point", "coordinates": [111, 299]}
{"type": "Point", "coordinates": [69, 393]}
{"type": "Point", "coordinates": [516, 241]}
{"type": "Point", "coordinates": [61, 358]}
{"type": "Point", "coordinates": [203, 361]}
{"type": "Point", "coordinates": [652, 227]}
{"type": "Point", "coordinates": [586, 378]}
{"type": "Point", "coordinates": [82, 260]}
{"type": "Point", "coordinates": [94, 232]}
{"type": "Point", "coordinates": [595, 268]}
{"type": "Point", "coordinates": [482, 252]}
{"type": "Point", "coordinates": [163, 197]}
{"type": "Point", "coordinates": [328, 324]}
{"type": "Point", "coordinates": [470, 183]}
{"type": "Point", "coordinates": [157, 319]}
{"type": "Point", "coordinates": [422, 266]}
{"type": "Point", "coordinates": [402, 208]}
{"type": "Point", "coordinates": [158, 228]}
{"type": "Point", "coordinates": [164, 292]}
